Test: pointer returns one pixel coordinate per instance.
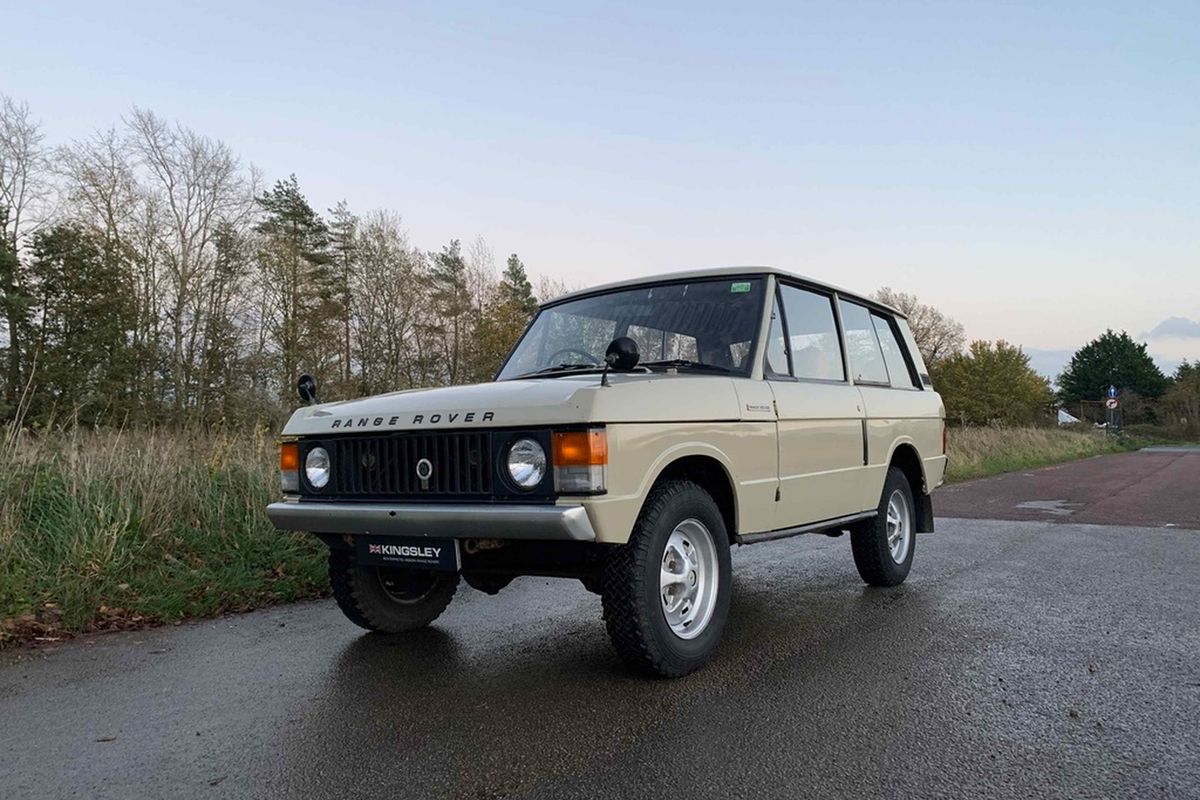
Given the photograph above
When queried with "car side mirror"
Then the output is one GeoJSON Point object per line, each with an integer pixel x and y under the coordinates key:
{"type": "Point", "coordinates": [306, 387]}
{"type": "Point", "coordinates": [622, 354]}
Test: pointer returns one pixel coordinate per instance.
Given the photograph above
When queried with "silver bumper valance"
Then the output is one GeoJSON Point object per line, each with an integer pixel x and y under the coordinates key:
{"type": "Point", "coordinates": [459, 521]}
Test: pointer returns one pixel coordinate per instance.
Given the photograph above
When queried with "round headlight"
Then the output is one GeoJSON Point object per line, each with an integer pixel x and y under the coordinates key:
{"type": "Point", "coordinates": [316, 467]}
{"type": "Point", "coordinates": [526, 463]}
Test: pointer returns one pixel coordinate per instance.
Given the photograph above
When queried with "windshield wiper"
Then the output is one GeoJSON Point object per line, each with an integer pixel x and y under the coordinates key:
{"type": "Point", "coordinates": [559, 368]}
{"type": "Point", "coordinates": [684, 363]}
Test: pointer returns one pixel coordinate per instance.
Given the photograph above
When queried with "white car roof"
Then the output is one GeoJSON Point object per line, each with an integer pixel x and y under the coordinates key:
{"type": "Point", "coordinates": [719, 272]}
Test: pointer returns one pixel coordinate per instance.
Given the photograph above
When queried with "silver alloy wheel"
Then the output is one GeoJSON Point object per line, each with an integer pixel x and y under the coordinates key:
{"type": "Point", "coordinates": [899, 526]}
{"type": "Point", "coordinates": [687, 580]}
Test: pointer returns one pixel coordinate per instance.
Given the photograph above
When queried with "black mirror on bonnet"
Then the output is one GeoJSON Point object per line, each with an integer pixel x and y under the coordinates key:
{"type": "Point", "coordinates": [622, 354]}
{"type": "Point", "coordinates": [306, 387]}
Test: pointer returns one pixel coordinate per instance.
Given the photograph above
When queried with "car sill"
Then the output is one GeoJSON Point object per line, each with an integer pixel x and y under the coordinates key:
{"type": "Point", "coordinates": [823, 525]}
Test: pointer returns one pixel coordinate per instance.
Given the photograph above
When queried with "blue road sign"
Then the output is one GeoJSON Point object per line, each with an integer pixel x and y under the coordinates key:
{"type": "Point", "coordinates": [1112, 391]}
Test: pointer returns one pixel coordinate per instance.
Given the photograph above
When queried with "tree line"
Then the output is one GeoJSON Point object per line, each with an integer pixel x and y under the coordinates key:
{"type": "Point", "coordinates": [148, 275]}
{"type": "Point", "coordinates": [985, 383]}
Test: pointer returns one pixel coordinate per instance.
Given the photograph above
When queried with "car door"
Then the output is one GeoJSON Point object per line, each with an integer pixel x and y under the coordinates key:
{"type": "Point", "coordinates": [887, 378]}
{"type": "Point", "coordinates": [820, 412]}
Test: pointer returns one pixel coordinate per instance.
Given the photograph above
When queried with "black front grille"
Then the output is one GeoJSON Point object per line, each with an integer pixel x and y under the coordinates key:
{"type": "Point", "coordinates": [386, 465]}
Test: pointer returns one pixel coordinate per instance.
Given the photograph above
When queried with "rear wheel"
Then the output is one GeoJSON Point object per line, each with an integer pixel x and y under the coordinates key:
{"type": "Point", "coordinates": [884, 546]}
{"type": "Point", "coordinates": [666, 592]}
{"type": "Point", "coordinates": [388, 600]}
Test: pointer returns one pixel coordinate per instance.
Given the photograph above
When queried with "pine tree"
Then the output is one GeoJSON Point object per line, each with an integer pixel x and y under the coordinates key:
{"type": "Point", "coordinates": [505, 316]}
{"type": "Point", "coordinates": [297, 267]}
{"type": "Point", "coordinates": [515, 287]}
{"type": "Point", "coordinates": [85, 318]}
{"type": "Point", "coordinates": [452, 303]}
{"type": "Point", "coordinates": [1112, 359]}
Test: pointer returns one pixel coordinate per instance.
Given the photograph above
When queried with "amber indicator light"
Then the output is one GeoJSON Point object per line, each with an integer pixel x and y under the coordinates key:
{"type": "Point", "coordinates": [289, 457]}
{"type": "Point", "coordinates": [580, 448]}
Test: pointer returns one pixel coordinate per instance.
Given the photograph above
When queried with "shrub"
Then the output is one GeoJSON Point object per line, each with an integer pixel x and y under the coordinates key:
{"type": "Point", "coordinates": [992, 384]}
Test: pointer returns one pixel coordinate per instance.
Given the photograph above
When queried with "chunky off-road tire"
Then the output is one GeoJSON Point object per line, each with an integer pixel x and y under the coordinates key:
{"type": "Point", "coordinates": [884, 546]}
{"type": "Point", "coordinates": [388, 600]}
{"type": "Point", "coordinates": [670, 533]}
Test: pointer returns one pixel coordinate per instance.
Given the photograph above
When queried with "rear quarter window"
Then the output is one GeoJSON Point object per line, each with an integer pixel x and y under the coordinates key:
{"type": "Point", "coordinates": [901, 374]}
{"type": "Point", "coordinates": [867, 364]}
{"type": "Point", "coordinates": [914, 352]}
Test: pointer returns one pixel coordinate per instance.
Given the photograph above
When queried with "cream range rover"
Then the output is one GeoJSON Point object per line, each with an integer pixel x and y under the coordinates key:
{"type": "Point", "coordinates": [636, 432]}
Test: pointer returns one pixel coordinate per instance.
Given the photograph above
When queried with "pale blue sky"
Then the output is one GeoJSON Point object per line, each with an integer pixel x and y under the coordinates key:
{"type": "Point", "coordinates": [1032, 169]}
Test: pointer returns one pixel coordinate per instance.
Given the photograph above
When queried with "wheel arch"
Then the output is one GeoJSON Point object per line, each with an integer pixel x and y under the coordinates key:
{"type": "Point", "coordinates": [904, 456]}
{"type": "Point", "coordinates": [711, 474]}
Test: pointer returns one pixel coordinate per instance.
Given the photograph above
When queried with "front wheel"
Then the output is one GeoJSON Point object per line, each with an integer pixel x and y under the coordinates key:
{"type": "Point", "coordinates": [666, 592]}
{"type": "Point", "coordinates": [884, 546]}
{"type": "Point", "coordinates": [388, 600]}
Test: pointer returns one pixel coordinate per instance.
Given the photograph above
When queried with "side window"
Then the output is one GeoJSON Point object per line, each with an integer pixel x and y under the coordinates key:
{"type": "Point", "coordinates": [866, 359]}
{"type": "Point", "coordinates": [812, 335]}
{"type": "Point", "coordinates": [893, 354]}
{"type": "Point", "coordinates": [777, 363]}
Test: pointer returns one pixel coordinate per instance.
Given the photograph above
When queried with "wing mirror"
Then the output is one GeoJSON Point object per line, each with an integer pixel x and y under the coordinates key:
{"type": "Point", "coordinates": [306, 387]}
{"type": "Point", "coordinates": [622, 354]}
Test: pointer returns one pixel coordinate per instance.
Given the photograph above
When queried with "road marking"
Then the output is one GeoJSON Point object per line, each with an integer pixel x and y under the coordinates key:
{"type": "Point", "coordinates": [1058, 508]}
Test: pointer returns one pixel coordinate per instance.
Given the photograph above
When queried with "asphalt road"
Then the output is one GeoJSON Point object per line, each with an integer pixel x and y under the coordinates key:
{"type": "Point", "coordinates": [1157, 487]}
{"type": "Point", "coordinates": [1021, 659]}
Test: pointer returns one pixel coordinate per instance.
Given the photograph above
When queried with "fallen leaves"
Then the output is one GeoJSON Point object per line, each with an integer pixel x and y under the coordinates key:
{"type": "Point", "coordinates": [46, 625]}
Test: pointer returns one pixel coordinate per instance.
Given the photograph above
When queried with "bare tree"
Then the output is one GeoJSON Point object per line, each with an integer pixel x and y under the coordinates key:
{"type": "Point", "coordinates": [201, 186]}
{"type": "Point", "coordinates": [24, 173]}
{"type": "Point", "coordinates": [101, 184]}
{"type": "Point", "coordinates": [24, 188]}
{"type": "Point", "coordinates": [147, 241]}
{"type": "Point", "coordinates": [386, 310]}
{"type": "Point", "coordinates": [198, 296]}
{"type": "Point", "coordinates": [548, 288]}
{"type": "Point", "coordinates": [481, 273]}
{"type": "Point", "coordinates": [343, 246]}
{"type": "Point", "coordinates": [938, 336]}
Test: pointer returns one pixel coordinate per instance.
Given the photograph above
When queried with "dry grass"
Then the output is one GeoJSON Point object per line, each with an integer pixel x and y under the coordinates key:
{"type": "Point", "coordinates": [979, 451]}
{"type": "Point", "coordinates": [121, 528]}
{"type": "Point", "coordinates": [107, 529]}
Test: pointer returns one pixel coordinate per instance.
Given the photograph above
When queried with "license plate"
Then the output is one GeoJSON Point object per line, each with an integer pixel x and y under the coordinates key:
{"type": "Point", "coordinates": [411, 552]}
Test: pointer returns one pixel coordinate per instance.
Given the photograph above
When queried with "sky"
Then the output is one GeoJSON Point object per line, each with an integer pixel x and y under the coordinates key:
{"type": "Point", "coordinates": [1033, 170]}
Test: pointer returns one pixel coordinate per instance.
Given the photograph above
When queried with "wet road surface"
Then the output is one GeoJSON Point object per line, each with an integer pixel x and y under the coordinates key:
{"type": "Point", "coordinates": [1021, 659]}
{"type": "Point", "coordinates": [1157, 487]}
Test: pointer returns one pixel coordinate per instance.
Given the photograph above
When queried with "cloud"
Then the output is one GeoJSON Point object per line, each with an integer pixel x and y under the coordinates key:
{"type": "Point", "coordinates": [1175, 328]}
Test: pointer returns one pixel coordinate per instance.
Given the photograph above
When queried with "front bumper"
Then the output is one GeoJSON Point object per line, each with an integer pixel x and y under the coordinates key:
{"type": "Point", "coordinates": [568, 523]}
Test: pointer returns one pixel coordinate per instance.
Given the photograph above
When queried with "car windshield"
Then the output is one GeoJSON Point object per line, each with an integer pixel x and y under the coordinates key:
{"type": "Point", "coordinates": [703, 325]}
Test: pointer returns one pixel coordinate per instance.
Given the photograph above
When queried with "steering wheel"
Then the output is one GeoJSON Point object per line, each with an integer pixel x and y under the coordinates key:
{"type": "Point", "coordinates": [553, 359]}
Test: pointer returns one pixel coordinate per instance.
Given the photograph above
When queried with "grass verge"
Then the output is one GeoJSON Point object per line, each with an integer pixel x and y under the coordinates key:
{"type": "Point", "coordinates": [977, 452]}
{"type": "Point", "coordinates": [109, 530]}
{"type": "Point", "coordinates": [120, 529]}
